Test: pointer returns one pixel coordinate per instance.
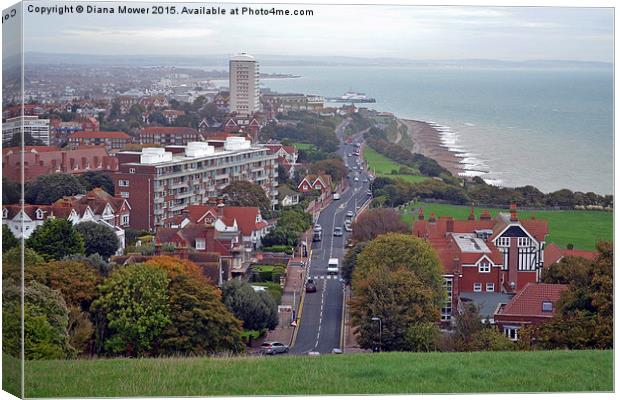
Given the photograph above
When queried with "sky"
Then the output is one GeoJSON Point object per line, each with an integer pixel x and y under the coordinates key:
{"type": "Point", "coordinates": [410, 32]}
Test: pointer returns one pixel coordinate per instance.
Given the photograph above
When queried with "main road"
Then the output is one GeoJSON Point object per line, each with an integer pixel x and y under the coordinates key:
{"type": "Point", "coordinates": [320, 326]}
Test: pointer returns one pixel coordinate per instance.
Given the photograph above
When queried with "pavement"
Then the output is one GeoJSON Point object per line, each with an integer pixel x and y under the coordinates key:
{"type": "Point", "coordinates": [293, 287]}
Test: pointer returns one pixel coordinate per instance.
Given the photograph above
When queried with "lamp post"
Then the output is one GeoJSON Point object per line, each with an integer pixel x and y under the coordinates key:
{"type": "Point", "coordinates": [378, 319]}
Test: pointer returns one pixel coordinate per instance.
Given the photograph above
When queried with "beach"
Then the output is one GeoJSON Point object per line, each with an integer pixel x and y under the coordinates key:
{"type": "Point", "coordinates": [428, 142]}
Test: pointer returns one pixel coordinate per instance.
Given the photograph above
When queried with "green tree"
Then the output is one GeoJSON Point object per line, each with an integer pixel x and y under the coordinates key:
{"type": "Point", "coordinates": [423, 337]}
{"type": "Point", "coordinates": [349, 261]}
{"type": "Point", "coordinates": [16, 141]}
{"type": "Point", "coordinates": [333, 167]}
{"type": "Point", "coordinates": [12, 262]}
{"type": "Point", "coordinates": [134, 308]}
{"type": "Point", "coordinates": [49, 188]}
{"type": "Point", "coordinates": [257, 310]}
{"type": "Point", "coordinates": [9, 240]}
{"type": "Point", "coordinates": [283, 176]}
{"type": "Point", "coordinates": [98, 239]}
{"type": "Point", "coordinates": [97, 179]}
{"type": "Point", "coordinates": [157, 117]}
{"type": "Point", "coordinates": [247, 194]}
{"type": "Point", "coordinates": [11, 191]}
{"type": "Point", "coordinates": [55, 239]}
{"type": "Point", "coordinates": [200, 322]}
{"type": "Point", "coordinates": [95, 260]}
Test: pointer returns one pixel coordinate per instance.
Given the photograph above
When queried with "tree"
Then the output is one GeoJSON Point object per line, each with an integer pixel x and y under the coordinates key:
{"type": "Point", "coordinates": [95, 260]}
{"type": "Point", "coordinates": [133, 308]}
{"type": "Point", "coordinates": [423, 336]}
{"type": "Point", "coordinates": [98, 239]}
{"type": "Point", "coordinates": [9, 240]}
{"type": "Point", "coordinates": [200, 323]}
{"type": "Point", "coordinates": [257, 310]}
{"type": "Point", "coordinates": [55, 239]}
{"type": "Point", "coordinates": [49, 188]}
{"type": "Point", "coordinates": [283, 176]}
{"type": "Point", "coordinates": [45, 322]}
{"type": "Point", "coordinates": [247, 194]}
{"type": "Point", "coordinates": [375, 222]}
{"type": "Point", "coordinates": [349, 261]}
{"type": "Point", "coordinates": [11, 191]}
{"type": "Point", "coordinates": [568, 269]}
{"type": "Point", "coordinates": [16, 141]}
{"type": "Point", "coordinates": [157, 117]}
{"type": "Point", "coordinates": [97, 179]}
{"type": "Point", "coordinates": [12, 262]}
{"type": "Point", "coordinates": [399, 298]}
{"type": "Point", "coordinates": [175, 266]}
{"type": "Point", "coordinates": [333, 167]}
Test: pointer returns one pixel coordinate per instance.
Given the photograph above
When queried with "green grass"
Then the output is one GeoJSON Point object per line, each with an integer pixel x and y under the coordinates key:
{"type": "Point", "coordinates": [383, 166]}
{"type": "Point", "coordinates": [551, 371]}
{"type": "Point", "coordinates": [11, 375]}
{"type": "Point", "coordinates": [304, 146]}
{"type": "Point", "coordinates": [273, 288]}
{"type": "Point", "coordinates": [581, 228]}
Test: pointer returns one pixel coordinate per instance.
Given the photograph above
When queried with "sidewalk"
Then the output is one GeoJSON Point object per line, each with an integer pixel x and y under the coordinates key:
{"type": "Point", "coordinates": [293, 288]}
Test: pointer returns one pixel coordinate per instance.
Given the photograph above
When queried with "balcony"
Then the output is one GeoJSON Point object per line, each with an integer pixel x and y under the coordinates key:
{"type": "Point", "coordinates": [178, 185]}
{"type": "Point", "coordinates": [178, 207]}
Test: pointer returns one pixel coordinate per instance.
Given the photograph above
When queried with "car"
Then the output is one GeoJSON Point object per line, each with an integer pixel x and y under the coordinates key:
{"type": "Point", "coordinates": [317, 228]}
{"type": "Point", "coordinates": [369, 193]}
{"type": "Point", "coordinates": [336, 196]}
{"type": "Point", "coordinates": [365, 180]}
{"type": "Point", "coordinates": [336, 351]}
{"type": "Point", "coordinates": [338, 231]}
{"type": "Point", "coordinates": [349, 243]}
{"type": "Point", "coordinates": [310, 286]}
{"type": "Point", "coordinates": [356, 179]}
{"type": "Point", "coordinates": [349, 213]}
{"type": "Point", "coordinates": [350, 154]}
{"type": "Point", "coordinates": [314, 353]}
{"type": "Point", "coordinates": [347, 227]}
{"type": "Point", "coordinates": [271, 348]}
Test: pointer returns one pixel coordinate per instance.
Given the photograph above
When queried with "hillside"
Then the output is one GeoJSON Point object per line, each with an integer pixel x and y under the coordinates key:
{"type": "Point", "coordinates": [550, 371]}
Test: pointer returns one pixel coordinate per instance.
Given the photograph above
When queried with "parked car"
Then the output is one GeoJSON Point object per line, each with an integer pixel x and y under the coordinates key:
{"type": "Point", "coordinates": [338, 231]}
{"type": "Point", "coordinates": [356, 179]}
{"type": "Point", "coordinates": [349, 213]}
{"type": "Point", "coordinates": [336, 196]}
{"type": "Point", "coordinates": [310, 286]}
{"type": "Point", "coordinates": [317, 228]}
{"type": "Point", "coordinates": [271, 348]}
{"type": "Point", "coordinates": [369, 193]}
{"type": "Point", "coordinates": [347, 226]}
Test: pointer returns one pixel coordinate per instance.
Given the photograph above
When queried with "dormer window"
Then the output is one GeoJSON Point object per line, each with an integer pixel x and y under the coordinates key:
{"type": "Point", "coordinates": [547, 306]}
{"type": "Point", "coordinates": [5, 213]}
{"type": "Point", "coordinates": [39, 214]}
{"type": "Point", "coordinates": [201, 244]}
{"type": "Point", "coordinates": [484, 267]}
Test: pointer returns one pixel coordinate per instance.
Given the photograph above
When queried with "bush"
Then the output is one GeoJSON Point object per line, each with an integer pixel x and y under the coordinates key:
{"type": "Point", "coordinates": [278, 249]}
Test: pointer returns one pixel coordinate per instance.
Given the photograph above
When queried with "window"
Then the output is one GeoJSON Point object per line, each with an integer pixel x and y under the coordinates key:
{"type": "Point", "coordinates": [484, 267]}
{"type": "Point", "coordinates": [125, 219]}
{"type": "Point", "coordinates": [511, 333]}
{"type": "Point", "coordinates": [200, 244]}
{"type": "Point", "coordinates": [125, 195]}
{"type": "Point", "coordinates": [123, 183]}
{"type": "Point", "coordinates": [446, 310]}
{"type": "Point", "coordinates": [477, 287]}
{"type": "Point", "coordinates": [490, 287]}
{"type": "Point", "coordinates": [5, 213]}
{"type": "Point", "coordinates": [503, 242]}
{"type": "Point", "coordinates": [547, 306]}
{"type": "Point", "coordinates": [523, 242]}
{"type": "Point", "coordinates": [132, 170]}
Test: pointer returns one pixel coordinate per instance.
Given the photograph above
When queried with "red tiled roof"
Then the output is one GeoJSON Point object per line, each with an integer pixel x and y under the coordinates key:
{"type": "Point", "coordinates": [245, 216]}
{"type": "Point", "coordinates": [528, 302]}
{"type": "Point", "coordinates": [28, 149]}
{"type": "Point", "coordinates": [99, 135]}
{"type": "Point", "coordinates": [554, 254]}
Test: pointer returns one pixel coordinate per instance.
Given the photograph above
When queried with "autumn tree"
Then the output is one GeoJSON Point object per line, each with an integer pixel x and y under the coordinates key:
{"type": "Point", "coordinates": [98, 239]}
{"type": "Point", "coordinates": [332, 166]}
{"type": "Point", "coordinates": [375, 222]}
{"type": "Point", "coordinates": [175, 266]}
{"type": "Point", "coordinates": [247, 194]}
{"type": "Point", "coordinates": [132, 310]}
{"type": "Point", "coordinates": [200, 322]}
{"type": "Point", "coordinates": [55, 239]}
{"type": "Point", "coordinates": [397, 278]}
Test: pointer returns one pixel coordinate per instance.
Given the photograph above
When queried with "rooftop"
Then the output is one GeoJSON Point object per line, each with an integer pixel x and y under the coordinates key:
{"type": "Point", "coordinates": [469, 243]}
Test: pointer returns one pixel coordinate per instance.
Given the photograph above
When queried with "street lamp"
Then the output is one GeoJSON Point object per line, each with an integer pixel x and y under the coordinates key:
{"type": "Point", "coordinates": [378, 319]}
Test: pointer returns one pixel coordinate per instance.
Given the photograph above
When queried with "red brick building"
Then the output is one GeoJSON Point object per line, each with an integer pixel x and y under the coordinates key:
{"type": "Point", "coordinates": [484, 256]}
{"type": "Point", "coordinates": [111, 140]}
{"type": "Point", "coordinates": [169, 135]}
{"type": "Point", "coordinates": [42, 160]}
{"type": "Point", "coordinates": [535, 303]}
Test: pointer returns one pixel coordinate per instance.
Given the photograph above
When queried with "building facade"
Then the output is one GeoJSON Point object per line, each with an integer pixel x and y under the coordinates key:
{"type": "Point", "coordinates": [169, 136]}
{"type": "Point", "coordinates": [244, 85]}
{"type": "Point", "coordinates": [160, 183]}
{"type": "Point", "coordinates": [30, 124]}
{"type": "Point", "coordinates": [112, 141]}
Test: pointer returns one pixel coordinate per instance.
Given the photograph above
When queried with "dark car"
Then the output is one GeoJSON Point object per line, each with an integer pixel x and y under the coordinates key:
{"type": "Point", "coordinates": [310, 286]}
{"type": "Point", "coordinates": [272, 348]}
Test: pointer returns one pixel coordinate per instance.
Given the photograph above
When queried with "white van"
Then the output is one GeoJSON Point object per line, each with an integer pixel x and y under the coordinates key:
{"type": "Point", "coordinates": [332, 266]}
{"type": "Point", "coordinates": [336, 196]}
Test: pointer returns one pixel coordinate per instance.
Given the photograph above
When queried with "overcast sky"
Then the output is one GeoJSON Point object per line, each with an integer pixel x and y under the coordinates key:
{"type": "Point", "coordinates": [511, 33]}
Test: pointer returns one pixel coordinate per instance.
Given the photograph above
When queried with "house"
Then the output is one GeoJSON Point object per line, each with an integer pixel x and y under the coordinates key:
{"type": "Point", "coordinates": [246, 220]}
{"type": "Point", "coordinates": [535, 303]}
{"type": "Point", "coordinates": [169, 135]}
{"type": "Point", "coordinates": [287, 196]}
{"type": "Point", "coordinates": [486, 256]}
{"type": "Point", "coordinates": [287, 156]}
{"type": "Point", "coordinates": [152, 102]}
{"type": "Point", "coordinates": [111, 140]}
{"type": "Point", "coordinates": [321, 182]}
{"type": "Point", "coordinates": [96, 206]}
{"type": "Point", "coordinates": [554, 254]}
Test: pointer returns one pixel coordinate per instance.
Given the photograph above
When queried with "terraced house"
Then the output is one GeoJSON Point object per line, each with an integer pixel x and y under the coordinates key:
{"type": "Point", "coordinates": [159, 183]}
{"type": "Point", "coordinates": [486, 260]}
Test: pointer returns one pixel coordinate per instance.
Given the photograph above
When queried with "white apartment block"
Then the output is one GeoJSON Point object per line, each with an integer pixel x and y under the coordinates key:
{"type": "Point", "coordinates": [37, 128]}
{"type": "Point", "coordinates": [243, 80]}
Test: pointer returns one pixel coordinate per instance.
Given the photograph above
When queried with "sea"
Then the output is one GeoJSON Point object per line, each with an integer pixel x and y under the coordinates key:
{"type": "Point", "coordinates": [549, 127]}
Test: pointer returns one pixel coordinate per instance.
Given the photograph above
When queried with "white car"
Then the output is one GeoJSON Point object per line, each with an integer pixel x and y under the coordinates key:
{"type": "Point", "coordinates": [356, 179]}
{"type": "Point", "coordinates": [336, 196]}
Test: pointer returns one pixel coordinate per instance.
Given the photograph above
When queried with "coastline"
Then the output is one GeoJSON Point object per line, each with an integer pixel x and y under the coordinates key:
{"type": "Point", "coordinates": [427, 141]}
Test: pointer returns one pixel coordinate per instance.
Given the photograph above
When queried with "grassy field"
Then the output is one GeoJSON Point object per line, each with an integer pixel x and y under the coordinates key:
{"type": "Point", "coordinates": [383, 166]}
{"type": "Point", "coordinates": [553, 371]}
{"type": "Point", "coordinates": [581, 228]}
{"type": "Point", "coordinates": [304, 146]}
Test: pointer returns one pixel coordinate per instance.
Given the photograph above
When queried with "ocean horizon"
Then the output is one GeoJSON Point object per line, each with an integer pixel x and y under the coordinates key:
{"type": "Point", "coordinates": [547, 127]}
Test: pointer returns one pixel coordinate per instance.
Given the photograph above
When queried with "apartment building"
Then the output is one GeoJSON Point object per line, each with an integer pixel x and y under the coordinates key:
{"type": "Point", "coordinates": [243, 80]}
{"type": "Point", "coordinates": [159, 183]}
{"type": "Point", "coordinates": [30, 124]}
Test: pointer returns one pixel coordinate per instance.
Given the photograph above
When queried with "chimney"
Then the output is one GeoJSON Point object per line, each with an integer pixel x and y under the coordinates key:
{"type": "Point", "coordinates": [431, 218]}
{"type": "Point", "coordinates": [513, 212]}
{"type": "Point", "coordinates": [220, 209]}
{"type": "Point", "coordinates": [471, 216]}
{"type": "Point", "coordinates": [485, 216]}
{"type": "Point", "coordinates": [449, 225]}
{"type": "Point", "coordinates": [421, 214]}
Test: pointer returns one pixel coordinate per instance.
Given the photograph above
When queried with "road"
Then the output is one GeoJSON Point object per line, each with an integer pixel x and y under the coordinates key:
{"type": "Point", "coordinates": [320, 326]}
